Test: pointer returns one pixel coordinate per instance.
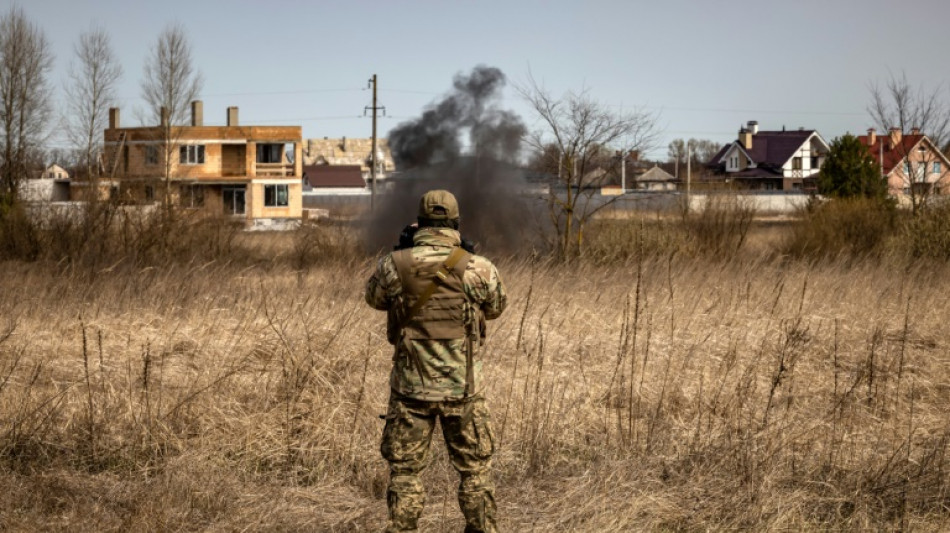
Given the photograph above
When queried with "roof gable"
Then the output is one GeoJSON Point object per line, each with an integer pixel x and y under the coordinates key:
{"type": "Point", "coordinates": [891, 157]}
{"type": "Point", "coordinates": [720, 155]}
{"type": "Point", "coordinates": [655, 174]}
{"type": "Point", "coordinates": [771, 148]}
{"type": "Point", "coordinates": [776, 148]}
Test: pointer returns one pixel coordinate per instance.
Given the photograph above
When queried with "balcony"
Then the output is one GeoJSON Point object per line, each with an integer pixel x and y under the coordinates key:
{"type": "Point", "coordinates": [274, 170]}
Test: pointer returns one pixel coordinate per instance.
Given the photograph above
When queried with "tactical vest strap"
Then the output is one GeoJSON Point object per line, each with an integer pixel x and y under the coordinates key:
{"type": "Point", "coordinates": [443, 319]}
{"type": "Point", "coordinates": [440, 275]}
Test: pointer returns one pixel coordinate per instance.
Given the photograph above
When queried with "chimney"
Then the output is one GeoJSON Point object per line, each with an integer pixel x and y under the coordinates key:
{"type": "Point", "coordinates": [753, 126]}
{"type": "Point", "coordinates": [894, 137]}
{"type": "Point", "coordinates": [233, 116]}
{"type": "Point", "coordinates": [163, 116]}
{"type": "Point", "coordinates": [197, 113]}
{"type": "Point", "coordinates": [113, 118]}
{"type": "Point", "coordinates": [915, 131]}
{"type": "Point", "coordinates": [872, 136]}
{"type": "Point", "coordinates": [343, 144]}
{"type": "Point", "coordinates": [745, 138]}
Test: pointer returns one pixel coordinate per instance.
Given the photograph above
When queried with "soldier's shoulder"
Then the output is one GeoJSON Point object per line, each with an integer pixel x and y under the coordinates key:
{"type": "Point", "coordinates": [481, 266]}
{"type": "Point", "coordinates": [386, 266]}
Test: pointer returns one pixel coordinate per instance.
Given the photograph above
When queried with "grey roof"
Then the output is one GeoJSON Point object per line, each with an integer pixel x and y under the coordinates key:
{"type": "Point", "coordinates": [655, 174]}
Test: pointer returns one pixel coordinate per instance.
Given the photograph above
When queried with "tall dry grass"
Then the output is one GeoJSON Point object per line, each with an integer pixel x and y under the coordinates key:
{"type": "Point", "coordinates": [670, 391]}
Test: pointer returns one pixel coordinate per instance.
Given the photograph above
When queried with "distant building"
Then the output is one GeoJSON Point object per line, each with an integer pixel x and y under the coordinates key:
{"type": "Point", "coordinates": [655, 179]}
{"type": "Point", "coordinates": [771, 160]}
{"type": "Point", "coordinates": [55, 172]}
{"type": "Point", "coordinates": [240, 171]}
{"type": "Point", "coordinates": [51, 186]}
{"type": "Point", "coordinates": [334, 180]}
{"type": "Point", "coordinates": [910, 160]}
{"type": "Point", "coordinates": [344, 151]}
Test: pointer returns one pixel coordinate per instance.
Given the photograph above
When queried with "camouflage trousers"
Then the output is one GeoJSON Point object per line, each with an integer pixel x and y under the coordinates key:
{"type": "Point", "coordinates": [466, 428]}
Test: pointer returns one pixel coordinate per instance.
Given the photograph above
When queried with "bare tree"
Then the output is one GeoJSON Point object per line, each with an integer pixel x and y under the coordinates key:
{"type": "Point", "coordinates": [676, 154]}
{"type": "Point", "coordinates": [25, 109]}
{"type": "Point", "coordinates": [676, 151]}
{"type": "Point", "coordinates": [898, 108]}
{"type": "Point", "coordinates": [703, 150]}
{"type": "Point", "coordinates": [170, 84]}
{"type": "Point", "coordinates": [582, 134]}
{"type": "Point", "coordinates": [90, 92]}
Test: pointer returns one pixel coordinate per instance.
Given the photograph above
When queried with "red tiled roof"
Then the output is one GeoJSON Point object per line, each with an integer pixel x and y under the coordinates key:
{"type": "Point", "coordinates": [334, 176]}
{"type": "Point", "coordinates": [891, 156]}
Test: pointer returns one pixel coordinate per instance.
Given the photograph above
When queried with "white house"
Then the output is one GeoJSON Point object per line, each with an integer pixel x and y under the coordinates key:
{"type": "Point", "coordinates": [785, 160]}
{"type": "Point", "coordinates": [51, 186]}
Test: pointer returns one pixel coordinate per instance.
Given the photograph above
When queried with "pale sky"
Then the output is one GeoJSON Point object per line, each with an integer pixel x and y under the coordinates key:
{"type": "Point", "coordinates": [705, 67]}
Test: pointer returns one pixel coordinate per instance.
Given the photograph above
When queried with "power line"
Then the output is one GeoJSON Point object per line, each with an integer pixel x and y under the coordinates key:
{"type": "Point", "coordinates": [760, 111]}
{"type": "Point", "coordinates": [272, 93]}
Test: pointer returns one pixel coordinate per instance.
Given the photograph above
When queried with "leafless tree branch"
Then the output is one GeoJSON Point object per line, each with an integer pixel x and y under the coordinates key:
{"type": "Point", "coordinates": [91, 91]}
{"type": "Point", "coordinates": [25, 106]}
{"type": "Point", "coordinates": [578, 136]}
{"type": "Point", "coordinates": [898, 108]}
{"type": "Point", "coordinates": [170, 84]}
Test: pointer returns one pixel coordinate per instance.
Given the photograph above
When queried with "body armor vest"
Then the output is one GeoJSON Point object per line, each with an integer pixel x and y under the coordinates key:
{"type": "Point", "coordinates": [442, 315]}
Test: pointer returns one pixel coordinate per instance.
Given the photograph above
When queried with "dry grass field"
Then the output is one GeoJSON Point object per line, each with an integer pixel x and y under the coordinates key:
{"type": "Point", "coordinates": [656, 393]}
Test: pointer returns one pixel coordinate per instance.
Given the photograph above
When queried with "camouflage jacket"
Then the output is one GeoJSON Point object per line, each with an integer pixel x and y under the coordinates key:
{"type": "Point", "coordinates": [443, 362]}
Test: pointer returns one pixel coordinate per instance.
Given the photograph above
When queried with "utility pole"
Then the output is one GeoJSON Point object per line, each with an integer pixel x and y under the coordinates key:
{"type": "Point", "coordinates": [689, 174]}
{"type": "Point", "coordinates": [373, 162]}
{"type": "Point", "coordinates": [623, 171]}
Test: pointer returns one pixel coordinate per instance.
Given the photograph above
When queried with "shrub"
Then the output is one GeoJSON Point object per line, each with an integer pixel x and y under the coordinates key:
{"type": "Point", "coordinates": [611, 241]}
{"type": "Point", "coordinates": [927, 235]}
{"type": "Point", "coordinates": [856, 227]}
{"type": "Point", "coordinates": [720, 227]}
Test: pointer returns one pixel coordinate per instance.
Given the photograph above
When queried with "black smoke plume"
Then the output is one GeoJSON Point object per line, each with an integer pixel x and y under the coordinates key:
{"type": "Point", "coordinates": [484, 173]}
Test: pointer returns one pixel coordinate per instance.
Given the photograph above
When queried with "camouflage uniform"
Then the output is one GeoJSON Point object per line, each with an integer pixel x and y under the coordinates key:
{"type": "Point", "coordinates": [428, 382]}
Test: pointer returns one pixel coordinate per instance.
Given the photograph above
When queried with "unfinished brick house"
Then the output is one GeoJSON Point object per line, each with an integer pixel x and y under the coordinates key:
{"type": "Point", "coordinates": [239, 171]}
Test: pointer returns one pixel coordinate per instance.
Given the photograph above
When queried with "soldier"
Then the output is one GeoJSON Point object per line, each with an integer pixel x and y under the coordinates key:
{"type": "Point", "coordinates": [437, 297]}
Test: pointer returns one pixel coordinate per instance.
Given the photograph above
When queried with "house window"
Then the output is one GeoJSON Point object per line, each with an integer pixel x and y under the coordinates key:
{"type": "Point", "coordinates": [907, 168]}
{"type": "Point", "coordinates": [269, 153]}
{"type": "Point", "coordinates": [936, 167]}
{"type": "Point", "coordinates": [193, 154]}
{"type": "Point", "coordinates": [149, 193]}
{"type": "Point", "coordinates": [192, 196]}
{"type": "Point", "coordinates": [814, 161]}
{"type": "Point", "coordinates": [151, 155]}
{"type": "Point", "coordinates": [796, 163]}
{"type": "Point", "coordinates": [276, 196]}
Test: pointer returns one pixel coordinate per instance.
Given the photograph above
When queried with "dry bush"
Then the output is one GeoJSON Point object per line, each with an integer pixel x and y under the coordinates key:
{"type": "Point", "coordinates": [623, 240]}
{"type": "Point", "coordinates": [720, 227]}
{"type": "Point", "coordinates": [928, 234]}
{"type": "Point", "coordinates": [323, 243]}
{"type": "Point", "coordinates": [19, 236]}
{"type": "Point", "coordinates": [681, 394]}
{"type": "Point", "coordinates": [105, 233]}
{"type": "Point", "coordinates": [855, 227]}
{"type": "Point", "coordinates": [717, 231]}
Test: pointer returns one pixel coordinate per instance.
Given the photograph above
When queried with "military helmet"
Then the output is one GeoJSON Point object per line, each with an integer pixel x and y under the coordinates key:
{"type": "Point", "coordinates": [438, 204]}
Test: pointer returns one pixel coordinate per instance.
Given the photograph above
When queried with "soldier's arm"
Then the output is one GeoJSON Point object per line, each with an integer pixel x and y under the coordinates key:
{"type": "Point", "coordinates": [496, 298]}
{"type": "Point", "coordinates": [383, 286]}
